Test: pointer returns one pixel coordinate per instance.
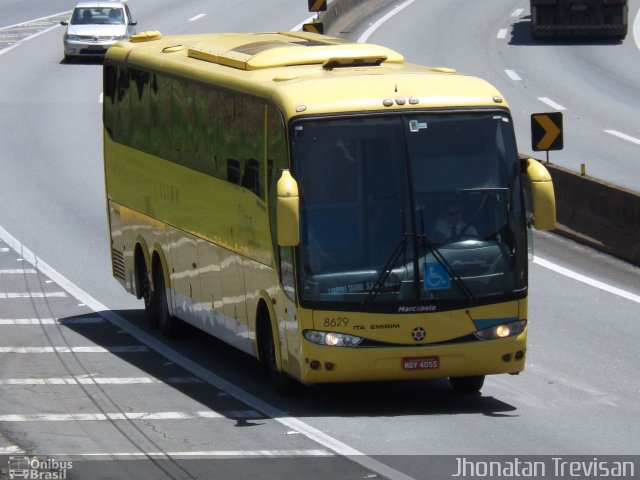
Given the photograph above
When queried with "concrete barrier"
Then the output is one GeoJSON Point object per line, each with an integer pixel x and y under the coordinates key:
{"type": "Point", "coordinates": [597, 213]}
{"type": "Point", "coordinates": [590, 211]}
{"type": "Point", "coordinates": [342, 14]}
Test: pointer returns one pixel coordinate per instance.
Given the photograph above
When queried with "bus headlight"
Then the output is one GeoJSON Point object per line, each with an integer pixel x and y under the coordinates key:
{"type": "Point", "coordinates": [501, 331]}
{"type": "Point", "coordinates": [332, 339]}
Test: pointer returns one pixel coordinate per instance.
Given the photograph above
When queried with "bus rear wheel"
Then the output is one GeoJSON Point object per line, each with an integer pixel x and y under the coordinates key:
{"type": "Point", "coordinates": [146, 292]}
{"type": "Point", "coordinates": [165, 321]}
{"type": "Point", "coordinates": [467, 384]}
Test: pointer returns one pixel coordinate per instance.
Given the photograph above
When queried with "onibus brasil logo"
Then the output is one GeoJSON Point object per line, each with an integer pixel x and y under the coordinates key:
{"type": "Point", "coordinates": [38, 468]}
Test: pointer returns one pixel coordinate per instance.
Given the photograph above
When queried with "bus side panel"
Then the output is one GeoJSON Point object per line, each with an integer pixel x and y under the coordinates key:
{"type": "Point", "coordinates": [207, 207]}
{"type": "Point", "coordinates": [185, 282]}
{"type": "Point", "coordinates": [260, 284]}
{"type": "Point", "coordinates": [120, 265]}
{"type": "Point", "coordinates": [199, 290]}
{"type": "Point", "coordinates": [233, 295]}
{"type": "Point", "coordinates": [230, 219]}
{"type": "Point", "coordinates": [128, 230]}
{"type": "Point", "coordinates": [213, 320]}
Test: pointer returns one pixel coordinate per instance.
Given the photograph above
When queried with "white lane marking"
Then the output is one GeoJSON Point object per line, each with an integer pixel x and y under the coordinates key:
{"type": "Point", "coordinates": [133, 349]}
{"type": "Point", "coordinates": [397, 9]}
{"type": "Point", "coordinates": [517, 12]}
{"type": "Point", "coordinates": [28, 22]}
{"type": "Point", "coordinates": [199, 371]}
{"type": "Point", "coordinates": [34, 295]}
{"type": "Point", "coordinates": [192, 454]}
{"type": "Point", "coordinates": [502, 33]}
{"type": "Point", "coordinates": [636, 30]}
{"type": "Point", "coordinates": [22, 40]}
{"type": "Point", "coordinates": [513, 75]}
{"type": "Point", "coordinates": [13, 449]}
{"type": "Point", "coordinates": [551, 103]}
{"type": "Point", "coordinates": [88, 417]}
{"type": "Point", "coordinates": [4, 250]}
{"type": "Point", "coordinates": [624, 136]}
{"type": "Point", "coordinates": [197, 17]}
{"type": "Point", "coordinates": [89, 380]}
{"type": "Point", "coordinates": [17, 271]}
{"type": "Point", "coordinates": [588, 280]}
{"type": "Point", "coordinates": [51, 321]}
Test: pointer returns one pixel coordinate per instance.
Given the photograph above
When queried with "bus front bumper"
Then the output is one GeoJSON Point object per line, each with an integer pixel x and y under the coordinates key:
{"type": "Point", "coordinates": [323, 364]}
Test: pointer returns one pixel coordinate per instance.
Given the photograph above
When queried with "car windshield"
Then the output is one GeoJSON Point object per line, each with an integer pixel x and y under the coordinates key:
{"type": "Point", "coordinates": [401, 210]}
{"type": "Point", "coordinates": [97, 16]}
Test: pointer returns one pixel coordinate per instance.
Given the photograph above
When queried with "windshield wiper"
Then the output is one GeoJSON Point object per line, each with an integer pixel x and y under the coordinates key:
{"type": "Point", "coordinates": [425, 242]}
{"type": "Point", "coordinates": [401, 249]}
{"type": "Point", "coordinates": [379, 284]}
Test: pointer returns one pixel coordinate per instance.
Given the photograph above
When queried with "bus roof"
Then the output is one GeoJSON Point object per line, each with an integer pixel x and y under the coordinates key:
{"type": "Point", "coordinates": [306, 72]}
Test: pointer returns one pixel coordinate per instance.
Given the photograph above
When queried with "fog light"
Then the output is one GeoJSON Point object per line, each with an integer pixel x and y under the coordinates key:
{"type": "Point", "coordinates": [328, 366]}
{"type": "Point", "coordinates": [314, 365]}
{"type": "Point", "coordinates": [519, 355]}
{"type": "Point", "coordinates": [506, 357]}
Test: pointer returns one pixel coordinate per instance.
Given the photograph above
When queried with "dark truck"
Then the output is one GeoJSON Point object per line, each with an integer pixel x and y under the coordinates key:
{"type": "Point", "coordinates": [585, 18]}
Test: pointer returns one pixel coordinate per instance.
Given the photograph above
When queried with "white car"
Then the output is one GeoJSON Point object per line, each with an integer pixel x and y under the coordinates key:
{"type": "Point", "coordinates": [94, 26]}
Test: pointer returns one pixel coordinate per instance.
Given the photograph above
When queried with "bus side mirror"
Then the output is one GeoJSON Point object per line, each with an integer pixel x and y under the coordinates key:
{"type": "Point", "coordinates": [288, 211]}
{"type": "Point", "coordinates": [543, 197]}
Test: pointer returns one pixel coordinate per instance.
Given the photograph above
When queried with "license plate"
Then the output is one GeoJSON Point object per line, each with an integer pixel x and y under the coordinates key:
{"type": "Point", "coordinates": [420, 363]}
{"type": "Point", "coordinates": [95, 47]}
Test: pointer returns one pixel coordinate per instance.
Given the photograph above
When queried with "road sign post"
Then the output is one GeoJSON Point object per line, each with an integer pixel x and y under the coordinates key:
{"type": "Point", "coordinates": [317, 5]}
{"type": "Point", "coordinates": [546, 132]}
{"type": "Point", "coordinates": [315, 26]}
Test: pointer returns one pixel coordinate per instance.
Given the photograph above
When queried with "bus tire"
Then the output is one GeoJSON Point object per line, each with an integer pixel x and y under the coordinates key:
{"type": "Point", "coordinates": [166, 322]}
{"type": "Point", "coordinates": [467, 384]}
{"type": "Point", "coordinates": [145, 291]}
{"type": "Point", "coordinates": [282, 383]}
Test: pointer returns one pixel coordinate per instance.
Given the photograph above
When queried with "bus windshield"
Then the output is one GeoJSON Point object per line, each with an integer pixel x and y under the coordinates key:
{"type": "Point", "coordinates": [398, 211]}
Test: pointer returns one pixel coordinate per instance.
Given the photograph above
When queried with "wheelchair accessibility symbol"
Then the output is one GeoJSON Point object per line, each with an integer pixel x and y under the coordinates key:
{"type": "Point", "coordinates": [435, 277]}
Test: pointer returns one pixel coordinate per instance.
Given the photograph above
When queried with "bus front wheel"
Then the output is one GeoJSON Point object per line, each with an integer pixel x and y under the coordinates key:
{"type": "Point", "coordinates": [282, 383]}
{"type": "Point", "coordinates": [467, 384]}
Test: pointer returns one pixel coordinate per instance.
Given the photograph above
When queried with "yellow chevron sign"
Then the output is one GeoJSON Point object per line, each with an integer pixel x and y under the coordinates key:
{"type": "Point", "coordinates": [315, 27]}
{"type": "Point", "coordinates": [546, 131]}
{"type": "Point", "coordinates": [317, 5]}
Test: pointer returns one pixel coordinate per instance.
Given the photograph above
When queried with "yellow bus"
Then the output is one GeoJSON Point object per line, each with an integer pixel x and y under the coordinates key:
{"type": "Point", "coordinates": [321, 204]}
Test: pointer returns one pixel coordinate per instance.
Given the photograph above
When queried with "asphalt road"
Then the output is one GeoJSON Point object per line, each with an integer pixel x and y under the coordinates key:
{"type": "Point", "coordinates": [83, 379]}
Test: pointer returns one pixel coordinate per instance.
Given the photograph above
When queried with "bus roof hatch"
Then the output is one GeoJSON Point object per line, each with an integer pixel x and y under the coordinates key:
{"type": "Point", "coordinates": [282, 50]}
